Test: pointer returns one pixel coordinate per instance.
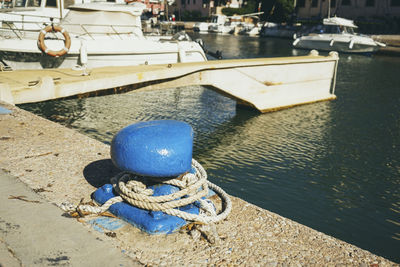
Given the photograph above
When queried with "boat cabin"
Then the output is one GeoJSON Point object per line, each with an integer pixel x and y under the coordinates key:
{"type": "Point", "coordinates": [93, 19]}
{"type": "Point", "coordinates": [334, 25]}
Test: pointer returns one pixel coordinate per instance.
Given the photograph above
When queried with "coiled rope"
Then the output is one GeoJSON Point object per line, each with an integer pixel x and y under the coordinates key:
{"type": "Point", "coordinates": [193, 188]}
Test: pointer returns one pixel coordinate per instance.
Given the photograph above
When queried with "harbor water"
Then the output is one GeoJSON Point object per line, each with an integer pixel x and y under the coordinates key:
{"type": "Point", "coordinates": [333, 166]}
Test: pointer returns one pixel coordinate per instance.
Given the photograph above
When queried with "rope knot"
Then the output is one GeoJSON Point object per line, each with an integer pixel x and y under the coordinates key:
{"type": "Point", "coordinates": [188, 179]}
{"type": "Point", "coordinates": [194, 187]}
{"type": "Point", "coordinates": [138, 187]}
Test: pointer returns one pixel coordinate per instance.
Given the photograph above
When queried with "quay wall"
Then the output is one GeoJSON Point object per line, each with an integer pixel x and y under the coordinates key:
{"type": "Point", "coordinates": [63, 165]}
{"type": "Point", "coordinates": [392, 44]}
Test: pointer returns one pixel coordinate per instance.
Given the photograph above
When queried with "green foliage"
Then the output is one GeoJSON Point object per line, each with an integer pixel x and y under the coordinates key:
{"type": "Point", "coordinates": [282, 11]}
{"type": "Point", "coordinates": [249, 8]}
{"type": "Point", "coordinates": [194, 15]}
{"type": "Point", "coordinates": [274, 10]}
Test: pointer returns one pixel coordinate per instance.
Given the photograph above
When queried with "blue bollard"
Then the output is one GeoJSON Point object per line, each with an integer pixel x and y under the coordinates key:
{"type": "Point", "coordinates": [160, 148]}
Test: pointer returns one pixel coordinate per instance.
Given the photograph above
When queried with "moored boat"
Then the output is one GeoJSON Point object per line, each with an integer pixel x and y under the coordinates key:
{"type": "Point", "coordinates": [84, 39]}
{"type": "Point", "coordinates": [337, 34]}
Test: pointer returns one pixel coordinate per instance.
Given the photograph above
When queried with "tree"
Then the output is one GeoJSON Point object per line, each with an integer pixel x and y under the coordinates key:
{"type": "Point", "coordinates": [274, 10]}
{"type": "Point", "coordinates": [249, 7]}
{"type": "Point", "coordinates": [277, 10]}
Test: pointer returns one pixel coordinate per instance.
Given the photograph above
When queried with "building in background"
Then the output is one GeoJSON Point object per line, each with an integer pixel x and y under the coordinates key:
{"type": "Point", "coordinates": [351, 9]}
{"type": "Point", "coordinates": [152, 6]}
{"type": "Point", "coordinates": [204, 8]}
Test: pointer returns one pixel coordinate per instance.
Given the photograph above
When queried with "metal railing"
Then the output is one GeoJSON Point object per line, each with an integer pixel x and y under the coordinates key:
{"type": "Point", "coordinates": [20, 27]}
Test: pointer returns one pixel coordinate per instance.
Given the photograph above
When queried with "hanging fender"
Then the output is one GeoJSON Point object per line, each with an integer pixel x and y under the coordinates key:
{"type": "Point", "coordinates": [351, 44]}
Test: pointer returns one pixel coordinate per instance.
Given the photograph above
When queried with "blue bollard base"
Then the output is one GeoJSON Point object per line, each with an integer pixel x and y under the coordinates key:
{"type": "Point", "coordinates": [151, 222]}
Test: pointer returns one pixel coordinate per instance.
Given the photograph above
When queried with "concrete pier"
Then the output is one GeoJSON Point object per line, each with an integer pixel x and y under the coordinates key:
{"type": "Point", "coordinates": [60, 165]}
{"type": "Point", "coordinates": [266, 84]}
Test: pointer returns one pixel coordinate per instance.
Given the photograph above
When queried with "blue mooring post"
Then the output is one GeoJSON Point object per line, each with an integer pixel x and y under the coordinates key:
{"type": "Point", "coordinates": [161, 149]}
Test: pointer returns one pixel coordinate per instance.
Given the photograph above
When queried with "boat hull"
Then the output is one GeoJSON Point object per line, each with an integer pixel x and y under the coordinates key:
{"type": "Point", "coordinates": [338, 46]}
{"type": "Point", "coordinates": [24, 54]}
{"type": "Point", "coordinates": [337, 42]}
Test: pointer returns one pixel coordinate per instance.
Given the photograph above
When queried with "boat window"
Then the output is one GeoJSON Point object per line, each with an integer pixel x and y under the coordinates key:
{"type": "Point", "coordinates": [331, 29]}
{"type": "Point", "coordinates": [19, 3]}
{"type": "Point", "coordinates": [51, 3]}
{"type": "Point", "coordinates": [318, 29]}
{"type": "Point", "coordinates": [27, 3]}
{"type": "Point", "coordinates": [30, 3]}
{"type": "Point", "coordinates": [350, 30]}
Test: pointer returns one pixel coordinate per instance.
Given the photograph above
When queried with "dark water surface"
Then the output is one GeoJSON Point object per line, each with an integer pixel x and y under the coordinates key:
{"type": "Point", "coordinates": [333, 166]}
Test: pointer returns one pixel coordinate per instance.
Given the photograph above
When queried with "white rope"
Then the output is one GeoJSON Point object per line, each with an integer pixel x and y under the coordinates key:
{"type": "Point", "coordinates": [193, 188]}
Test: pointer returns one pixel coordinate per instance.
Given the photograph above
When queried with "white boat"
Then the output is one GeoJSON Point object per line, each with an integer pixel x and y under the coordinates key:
{"type": "Point", "coordinates": [249, 24]}
{"type": "Point", "coordinates": [212, 26]}
{"type": "Point", "coordinates": [250, 29]}
{"type": "Point", "coordinates": [201, 27]}
{"type": "Point", "coordinates": [337, 34]}
{"type": "Point", "coordinates": [85, 38]}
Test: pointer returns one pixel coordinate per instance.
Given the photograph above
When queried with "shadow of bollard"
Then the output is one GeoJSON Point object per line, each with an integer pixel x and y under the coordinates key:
{"type": "Point", "coordinates": [99, 173]}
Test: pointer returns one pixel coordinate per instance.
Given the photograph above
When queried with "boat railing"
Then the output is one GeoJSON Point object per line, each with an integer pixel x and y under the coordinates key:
{"type": "Point", "coordinates": [20, 29]}
{"type": "Point", "coordinates": [93, 30]}
{"type": "Point", "coordinates": [23, 16]}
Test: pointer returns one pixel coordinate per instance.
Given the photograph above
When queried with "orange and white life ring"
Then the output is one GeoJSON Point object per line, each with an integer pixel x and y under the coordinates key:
{"type": "Point", "coordinates": [54, 28]}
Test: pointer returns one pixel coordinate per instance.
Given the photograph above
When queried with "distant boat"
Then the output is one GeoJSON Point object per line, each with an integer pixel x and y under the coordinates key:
{"type": "Point", "coordinates": [271, 29]}
{"type": "Point", "coordinates": [86, 38]}
{"type": "Point", "coordinates": [337, 34]}
{"type": "Point", "coordinates": [229, 24]}
{"type": "Point", "coordinates": [212, 26]}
